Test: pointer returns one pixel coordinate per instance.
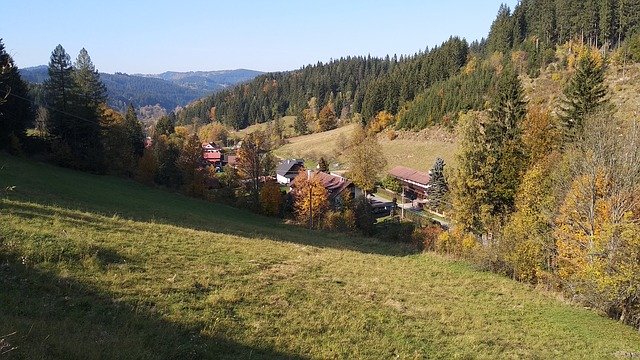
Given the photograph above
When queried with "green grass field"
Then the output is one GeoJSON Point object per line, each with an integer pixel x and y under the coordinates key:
{"type": "Point", "coordinates": [99, 267]}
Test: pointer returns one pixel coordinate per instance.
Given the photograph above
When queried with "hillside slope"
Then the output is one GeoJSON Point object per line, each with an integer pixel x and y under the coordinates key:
{"type": "Point", "coordinates": [98, 267]}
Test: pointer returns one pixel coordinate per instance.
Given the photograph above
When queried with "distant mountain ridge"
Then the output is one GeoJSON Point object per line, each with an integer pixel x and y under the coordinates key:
{"type": "Point", "coordinates": [169, 89]}
{"type": "Point", "coordinates": [207, 80]}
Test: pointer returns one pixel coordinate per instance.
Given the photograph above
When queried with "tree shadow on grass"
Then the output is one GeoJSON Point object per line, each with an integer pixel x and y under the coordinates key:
{"type": "Point", "coordinates": [45, 316]}
{"type": "Point", "coordinates": [209, 217]}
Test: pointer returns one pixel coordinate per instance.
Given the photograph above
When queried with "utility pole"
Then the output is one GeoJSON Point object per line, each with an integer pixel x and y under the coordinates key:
{"type": "Point", "coordinates": [310, 199]}
{"type": "Point", "coordinates": [402, 205]}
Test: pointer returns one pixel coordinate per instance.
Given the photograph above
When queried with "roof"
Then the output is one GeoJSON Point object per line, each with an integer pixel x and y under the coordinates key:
{"type": "Point", "coordinates": [216, 155]}
{"type": "Point", "coordinates": [333, 183]}
{"type": "Point", "coordinates": [406, 173]}
{"type": "Point", "coordinates": [210, 146]}
{"type": "Point", "coordinates": [286, 166]}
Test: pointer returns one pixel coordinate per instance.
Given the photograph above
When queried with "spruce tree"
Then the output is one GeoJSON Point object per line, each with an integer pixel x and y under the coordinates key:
{"type": "Point", "coordinates": [323, 165]}
{"type": "Point", "coordinates": [584, 93]}
{"type": "Point", "coordinates": [87, 78]}
{"type": "Point", "coordinates": [134, 131]}
{"type": "Point", "coordinates": [492, 160]}
{"type": "Point", "coordinates": [74, 121]}
{"type": "Point", "coordinates": [437, 186]}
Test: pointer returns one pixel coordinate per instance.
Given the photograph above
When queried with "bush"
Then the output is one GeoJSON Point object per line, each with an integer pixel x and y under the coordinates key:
{"type": "Point", "coordinates": [400, 231]}
{"type": "Point", "coordinates": [339, 221]}
{"type": "Point", "coordinates": [425, 238]}
{"type": "Point", "coordinates": [364, 219]}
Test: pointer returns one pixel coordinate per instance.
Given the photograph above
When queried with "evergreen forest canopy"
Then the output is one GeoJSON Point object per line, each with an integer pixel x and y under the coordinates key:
{"type": "Point", "coordinates": [424, 89]}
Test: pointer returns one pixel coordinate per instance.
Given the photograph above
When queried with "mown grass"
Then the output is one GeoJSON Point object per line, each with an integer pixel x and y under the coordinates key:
{"type": "Point", "coordinates": [98, 267]}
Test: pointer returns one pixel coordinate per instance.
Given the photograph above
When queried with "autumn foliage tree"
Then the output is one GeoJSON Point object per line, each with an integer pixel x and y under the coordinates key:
{"type": "Point", "coordinates": [327, 119]}
{"type": "Point", "coordinates": [254, 161]}
{"type": "Point", "coordinates": [271, 198]}
{"type": "Point", "coordinates": [366, 159]}
{"type": "Point", "coordinates": [597, 230]}
{"type": "Point", "coordinates": [311, 199]}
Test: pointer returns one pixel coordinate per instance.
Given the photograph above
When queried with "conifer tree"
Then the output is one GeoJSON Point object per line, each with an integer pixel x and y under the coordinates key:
{"type": "Point", "coordinates": [87, 78]}
{"type": "Point", "coordinates": [323, 165]}
{"type": "Point", "coordinates": [437, 186]}
{"type": "Point", "coordinates": [584, 93]}
{"type": "Point", "coordinates": [15, 107]}
{"type": "Point", "coordinates": [134, 130]}
{"type": "Point", "coordinates": [492, 160]}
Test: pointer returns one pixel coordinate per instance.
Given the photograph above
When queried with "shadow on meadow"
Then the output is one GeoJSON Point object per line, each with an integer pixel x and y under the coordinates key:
{"type": "Point", "coordinates": [148, 205]}
{"type": "Point", "coordinates": [45, 316]}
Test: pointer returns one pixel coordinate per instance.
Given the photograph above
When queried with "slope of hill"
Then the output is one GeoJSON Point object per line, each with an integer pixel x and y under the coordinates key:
{"type": "Point", "coordinates": [99, 267]}
{"type": "Point", "coordinates": [169, 89]}
{"type": "Point", "coordinates": [417, 150]}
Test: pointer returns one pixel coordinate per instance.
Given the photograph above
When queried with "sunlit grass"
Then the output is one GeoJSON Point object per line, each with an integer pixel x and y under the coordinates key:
{"type": "Point", "coordinates": [98, 267]}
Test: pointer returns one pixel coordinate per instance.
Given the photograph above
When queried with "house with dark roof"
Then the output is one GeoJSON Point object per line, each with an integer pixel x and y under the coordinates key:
{"type": "Point", "coordinates": [414, 183]}
{"type": "Point", "coordinates": [288, 170]}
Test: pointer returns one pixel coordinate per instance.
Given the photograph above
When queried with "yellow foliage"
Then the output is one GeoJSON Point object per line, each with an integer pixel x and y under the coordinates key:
{"type": "Point", "coordinates": [381, 121]}
{"type": "Point", "coordinates": [271, 198]}
{"type": "Point", "coordinates": [541, 133]}
{"type": "Point", "coordinates": [311, 199]}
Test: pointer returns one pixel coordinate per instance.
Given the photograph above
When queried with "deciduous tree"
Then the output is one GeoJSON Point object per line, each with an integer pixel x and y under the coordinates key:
{"type": "Point", "coordinates": [311, 199]}
{"type": "Point", "coordinates": [366, 159]}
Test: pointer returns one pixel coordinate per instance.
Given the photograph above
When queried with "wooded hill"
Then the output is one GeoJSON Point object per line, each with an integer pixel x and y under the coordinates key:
{"type": "Point", "coordinates": [168, 90]}
{"type": "Point", "coordinates": [425, 88]}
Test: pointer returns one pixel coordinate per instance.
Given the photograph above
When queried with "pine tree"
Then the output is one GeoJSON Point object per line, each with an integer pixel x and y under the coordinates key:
{"type": "Point", "coordinates": [165, 126]}
{"type": "Point", "coordinates": [300, 125]}
{"type": "Point", "coordinates": [500, 37]}
{"type": "Point", "coordinates": [584, 93]}
{"type": "Point", "coordinates": [15, 107]}
{"type": "Point", "coordinates": [503, 135]}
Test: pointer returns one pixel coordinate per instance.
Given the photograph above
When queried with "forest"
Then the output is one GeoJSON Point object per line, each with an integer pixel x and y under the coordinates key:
{"type": "Point", "coordinates": [423, 89]}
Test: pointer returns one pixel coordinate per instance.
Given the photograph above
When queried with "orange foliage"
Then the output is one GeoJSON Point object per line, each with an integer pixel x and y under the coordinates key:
{"type": "Point", "coordinates": [271, 198]}
{"type": "Point", "coordinates": [311, 199]}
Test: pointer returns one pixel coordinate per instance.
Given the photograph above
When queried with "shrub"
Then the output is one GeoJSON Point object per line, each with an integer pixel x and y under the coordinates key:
{"type": "Point", "coordinates": [271, 199]}
{"type": "Point", "coordinates": [425, 238]}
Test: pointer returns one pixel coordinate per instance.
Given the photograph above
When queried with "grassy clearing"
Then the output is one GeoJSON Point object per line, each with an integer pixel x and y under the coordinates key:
{"type": "Point", "coordinates": [286, 122]}
{"type": "Point", "coordinates": [98, 267]}
{"type": "Point", "coordinates": [418, 151]}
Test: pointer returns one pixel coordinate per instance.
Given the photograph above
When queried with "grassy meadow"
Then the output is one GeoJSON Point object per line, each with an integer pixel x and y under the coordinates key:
{"type": "Point", "coordinates": [417, 151]}
{"type": "Point", "coordinates": [99, 267]}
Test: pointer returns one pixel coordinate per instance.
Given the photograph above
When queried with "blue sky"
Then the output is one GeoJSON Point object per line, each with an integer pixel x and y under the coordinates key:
{"type": "Point", "coordinates": [144, 36]}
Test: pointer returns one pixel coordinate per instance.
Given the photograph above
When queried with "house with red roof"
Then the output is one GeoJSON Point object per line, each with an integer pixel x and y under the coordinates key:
{"type": "Point", "coordinates": [415, 183]}
{"type": "Point", "coordinates": [336, 185]}
{"type": "Point", "coordinates": [213, 155]}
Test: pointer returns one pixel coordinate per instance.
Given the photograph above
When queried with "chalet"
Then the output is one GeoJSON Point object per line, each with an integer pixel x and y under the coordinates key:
{"type": "Point", "coordinates": [288, 170]}
{"type": "Point", "coordinates": [212, 154]}
{"type": "Point", "coordinates": [336, 185]}
{"type": "Point", "coordinates": [414, 183]}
